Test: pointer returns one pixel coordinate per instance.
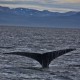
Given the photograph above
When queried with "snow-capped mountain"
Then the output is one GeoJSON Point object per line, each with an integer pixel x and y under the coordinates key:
{"type": "Point", "coordinates": [31, 17]}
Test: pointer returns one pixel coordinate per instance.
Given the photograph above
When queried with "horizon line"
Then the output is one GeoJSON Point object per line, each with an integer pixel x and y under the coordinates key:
{"type": "Point", "coordinates": [42, 9]}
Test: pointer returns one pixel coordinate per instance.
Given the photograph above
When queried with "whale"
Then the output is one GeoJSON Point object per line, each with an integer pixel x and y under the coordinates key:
{"type": "Point", "coordinates": [43, 58]}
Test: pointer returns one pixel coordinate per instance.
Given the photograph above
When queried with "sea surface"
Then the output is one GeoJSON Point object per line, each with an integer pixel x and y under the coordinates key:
{"type": "Point", "coordinates": [41, 40]}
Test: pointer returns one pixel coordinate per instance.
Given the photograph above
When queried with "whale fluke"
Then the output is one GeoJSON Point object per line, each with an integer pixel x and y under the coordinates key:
{"type": "Point", "coordinates": [45, 58]}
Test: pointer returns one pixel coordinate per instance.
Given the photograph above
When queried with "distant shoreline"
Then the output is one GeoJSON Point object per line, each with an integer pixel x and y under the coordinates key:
{"type": "Point", "coordinates": [39, 27]}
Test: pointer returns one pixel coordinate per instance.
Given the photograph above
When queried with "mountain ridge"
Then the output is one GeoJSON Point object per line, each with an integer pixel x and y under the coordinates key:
{"type": "Point", "coordinates": [31, 17]}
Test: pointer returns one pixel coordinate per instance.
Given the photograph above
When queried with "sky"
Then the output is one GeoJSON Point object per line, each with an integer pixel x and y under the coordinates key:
{"type": "Point", "coordinates": [51, 5]}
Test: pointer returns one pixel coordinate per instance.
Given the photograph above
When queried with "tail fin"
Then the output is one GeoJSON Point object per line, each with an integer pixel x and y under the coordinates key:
{"type": "Point", "coordinates": [35, 56]}
{"type": "Point", "coordinates": [43, 59]}
{"type": "Point", "coordinates": [54, 54]}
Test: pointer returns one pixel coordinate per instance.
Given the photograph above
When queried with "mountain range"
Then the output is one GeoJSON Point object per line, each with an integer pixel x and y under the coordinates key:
{"type": "Point", "coordinates": [36, 18]}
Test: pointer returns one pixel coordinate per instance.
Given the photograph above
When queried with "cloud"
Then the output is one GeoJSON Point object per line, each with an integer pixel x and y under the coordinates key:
{"type": "Point", "coordinates": [69, 1]}
{"type": "Point", "coordinates": [52, 5]}
{"type": "Point", "coordinates": [40, 7]}
{"type": "Point", "coordinates": [45, 1]}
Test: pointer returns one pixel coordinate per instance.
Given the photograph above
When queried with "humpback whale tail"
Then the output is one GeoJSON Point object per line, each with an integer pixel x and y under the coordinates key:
{"type": "Point", "coordinates": [45, 58]}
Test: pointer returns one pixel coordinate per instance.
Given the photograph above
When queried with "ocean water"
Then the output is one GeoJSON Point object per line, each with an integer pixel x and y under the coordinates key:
{"type": "Point", "coordinates": [13, 67]}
